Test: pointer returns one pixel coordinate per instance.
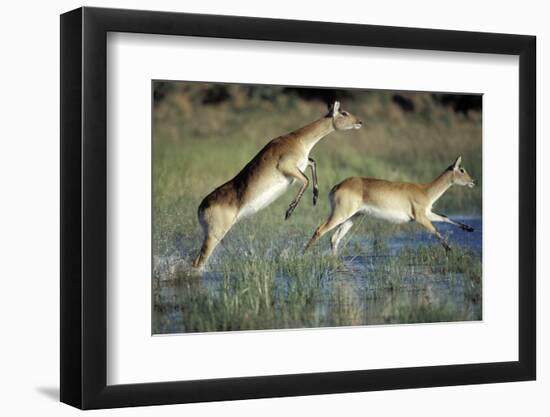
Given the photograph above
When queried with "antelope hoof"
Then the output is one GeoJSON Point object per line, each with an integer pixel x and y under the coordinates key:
{"type": "Point", "coordinates": [447, 248]}
{"type": "Point", "coordinates": [307, 247]}
{"type": "Point", "coordinates": [198, 269]}
{"type": "Point", "coordinates": [197, 262]}
{"type": "Point", "coordinates": [315, 195]}
{"type": "Point", "coordinates": [289, 211]}
{"type": "Point", "coordinates": [467, 228]}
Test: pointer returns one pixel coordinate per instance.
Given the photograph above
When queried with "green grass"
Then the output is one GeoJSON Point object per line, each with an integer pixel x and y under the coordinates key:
{"type": "Point", "coordinates": [261, 279]}
{"type": "Point", "coordinates": [260, 292]}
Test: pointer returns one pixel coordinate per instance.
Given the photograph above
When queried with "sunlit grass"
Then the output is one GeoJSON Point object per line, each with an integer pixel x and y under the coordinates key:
{"type": "Point", "coordinates": [257, 292]}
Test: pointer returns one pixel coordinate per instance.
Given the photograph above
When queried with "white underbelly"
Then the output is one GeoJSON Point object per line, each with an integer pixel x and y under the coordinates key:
{"type": "Point", "coordinates": [270, 192]}
{"type": "Point", "coordinates": [392, 216]}
{"type": "Point", "coordinates": [303, 164]}
{"type": "Point", "coordinates": [265, 197]}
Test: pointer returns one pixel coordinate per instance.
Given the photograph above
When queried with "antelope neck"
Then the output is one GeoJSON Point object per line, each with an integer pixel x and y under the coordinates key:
{"type": "Point", "coordinates": [437, 187]}
{"type": "Point", "coordinates": [312, 133]}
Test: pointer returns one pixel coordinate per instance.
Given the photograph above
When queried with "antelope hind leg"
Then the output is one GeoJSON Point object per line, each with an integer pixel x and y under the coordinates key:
{"type": "Point", "coordinates": [339, 234]}
{"type": "Point", "coordinates": [208, 246]}
{"type": "Point", "coordinates": [331, 223]}
{"type": "Point", "coordinates": [215, 222]}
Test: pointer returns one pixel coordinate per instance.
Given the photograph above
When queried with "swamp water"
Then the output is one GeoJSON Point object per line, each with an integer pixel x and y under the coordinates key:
{"type": "Point", "coordinates": [405, 277]}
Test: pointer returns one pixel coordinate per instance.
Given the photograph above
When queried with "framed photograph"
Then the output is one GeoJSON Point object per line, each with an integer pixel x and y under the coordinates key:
{"type": "Point", "coordinates": [257, 208]}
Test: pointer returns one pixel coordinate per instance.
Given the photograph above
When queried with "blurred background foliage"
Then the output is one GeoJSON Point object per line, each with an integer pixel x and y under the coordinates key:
{"type": "Point", "coordinates": [407, 136]}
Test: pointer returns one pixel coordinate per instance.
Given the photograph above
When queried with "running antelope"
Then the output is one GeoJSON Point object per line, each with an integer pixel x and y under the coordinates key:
{"type": "Point", "coordinates": [396, 202]}
{"type": "Point", "coordinates": [266, 177]}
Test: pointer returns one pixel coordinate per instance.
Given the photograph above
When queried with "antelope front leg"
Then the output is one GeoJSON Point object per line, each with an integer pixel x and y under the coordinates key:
{"type": "Point", "coordinates": [300, 176]}
{"type": "Point", "coordinates": [434, 217]}
{"type": "Point", "coordinates": [424, 221]}
{"type": "Point", "coordinates": [313, 165]}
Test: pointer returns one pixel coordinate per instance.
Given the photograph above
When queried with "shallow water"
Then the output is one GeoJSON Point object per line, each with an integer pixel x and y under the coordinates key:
{"type": "Point", "coordinates": [356, 290]}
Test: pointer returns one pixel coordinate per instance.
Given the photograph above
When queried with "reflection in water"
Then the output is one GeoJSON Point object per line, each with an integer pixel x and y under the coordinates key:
{"type": "Point", "coordinates": [397, 284]}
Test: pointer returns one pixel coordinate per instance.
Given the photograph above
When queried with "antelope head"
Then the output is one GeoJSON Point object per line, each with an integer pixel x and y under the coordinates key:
{"type": "Point", "coordinates": [460, 175]}
{"type": "Point", "coordinates": [341, 119]}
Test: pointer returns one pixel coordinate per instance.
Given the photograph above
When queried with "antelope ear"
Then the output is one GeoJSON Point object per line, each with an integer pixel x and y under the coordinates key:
{"type": "Point", "coordinates": [457, 162]}
{"type": "Point", "coordinates": [334, 108]}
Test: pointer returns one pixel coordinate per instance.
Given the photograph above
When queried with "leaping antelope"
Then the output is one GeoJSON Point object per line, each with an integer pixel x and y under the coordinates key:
{"type": "Point", "coordinates": [396, 202]}
{"type": "Point", "coordinates": [266, 177]}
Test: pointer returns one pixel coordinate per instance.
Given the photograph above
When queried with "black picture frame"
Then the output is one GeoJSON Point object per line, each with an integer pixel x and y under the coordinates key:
{"type": "Point", "coordinates": [84, 207]}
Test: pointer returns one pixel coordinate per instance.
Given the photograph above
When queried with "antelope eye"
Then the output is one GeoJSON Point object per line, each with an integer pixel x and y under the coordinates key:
{"type": "Point", "coordinates": [462, 170]}
{"type": "Point", "coordinates": [345, 113]}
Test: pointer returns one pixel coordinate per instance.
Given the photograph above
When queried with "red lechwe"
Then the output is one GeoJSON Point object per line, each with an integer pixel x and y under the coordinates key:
{"type": "Point", "coordinates": [396, 202]}
{"type": "Point", "coordinates": [266, 177]}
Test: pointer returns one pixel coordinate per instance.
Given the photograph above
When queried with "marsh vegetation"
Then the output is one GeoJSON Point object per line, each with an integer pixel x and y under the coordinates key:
{"type": "Point", "coordinates": [258, 277]}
